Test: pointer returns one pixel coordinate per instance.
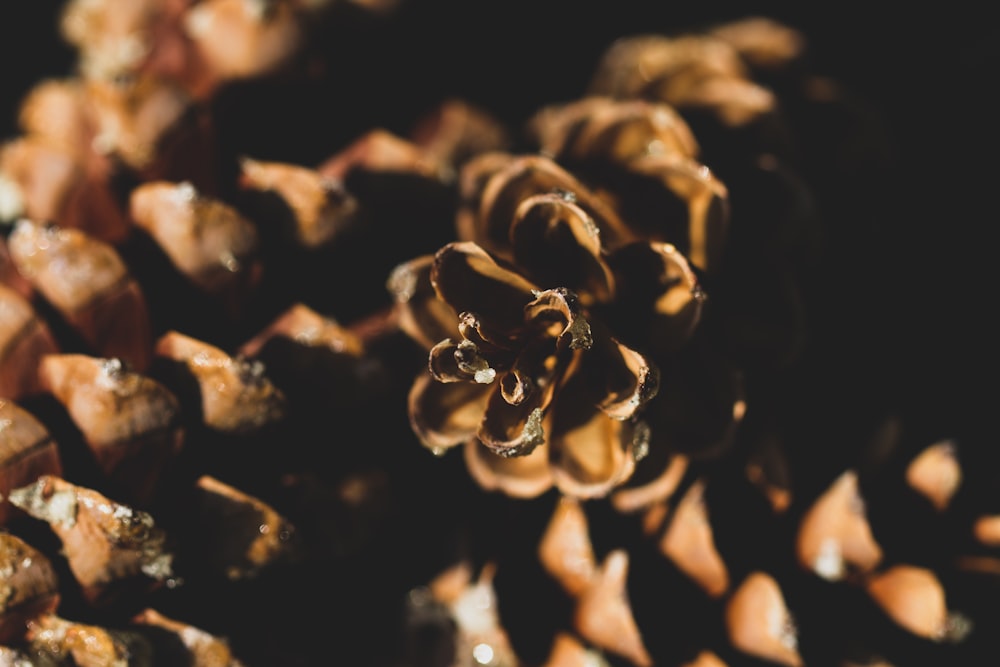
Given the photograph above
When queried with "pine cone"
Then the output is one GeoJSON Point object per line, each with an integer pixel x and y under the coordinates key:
{"type": "Point", "coordinates": [636, 306]}
{"type": "Point", "coordinates": [780, 550]}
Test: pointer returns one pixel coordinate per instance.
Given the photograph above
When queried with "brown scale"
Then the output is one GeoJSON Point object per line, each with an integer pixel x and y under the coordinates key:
{"type": "Point", "coordinates": [239, 39]}
{"type": "Point", "coordinates": [834, 538]}
{"type": "Point", "coordinates": [131, 423]}
{"type": "Point", "coordinates": [199, 648]}
{"type": "Point", "coordinates": [301, 343]}
{"type": "Point", "coordinates": [29, 587]}
{"type": "Point", "coordinates": [236, 535]}
{"type": "Point", "coordinates": [602, 614]}
{"type": "Point", "coordinates": [689, 72]}
{"type": "Point", "coordinates": [321, 208]}
{"type": "Point", "coordinates": [64, 641]}
{"type": "Point", "coordinates": [113, 551]}
{"type": "Point", "coordinates": [155, 130]}
{"type": "Point", "coordinates": [236, 395]}
{"type": "Point", "coordinates": [689, 543]}
{"type": "Point", "coordinates": [57, 165]}
{"type": "Point", "coordinates": [84, 141]}
{"type": "Point", "coordinates": [759, 623]}
{"type": "Point", "coordinates": [179, 40]}
{"type": "Point", "coordinates": [642, 157]}
{"type": "Point", "coordinates": [24, 339]}
{"type": "Point", "coordinates": [27, 451]}
{"type": "Point", "coordinates": [86, 281]}
{"type": "Point", "coordinates": [208, 241]}
{"type": "Point", "coordinates": [380, 150]}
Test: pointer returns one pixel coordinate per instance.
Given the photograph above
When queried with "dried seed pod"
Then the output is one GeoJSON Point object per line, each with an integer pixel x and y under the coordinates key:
{"type": "Point", "coordinates": [87, 281]}
{"type": "Point", "coordinates": [689, 543]}
{"type": "Point", "coordinates": [238, 535]}
{"type": "Point", "coordinates": [24, 339]}
{"type": "Point", "coordinates": [565, 550]}
{"type": "Point", "coordinates": [834, 535]}
{"type": "Point", "coordinates": [84, 645]}
{"type": "Point", "coordinates": [913, 597]}
{"type": "Point", "coordinates": [603, 614]}
{"type": "Point", "coordinates": [535, 367]}
{"type": "Point", "coordinates": [110, 547]}
{"type": "Point", "coordinates": [321, 207]}
{"type": "Point", "coordinates": [29, 587]}
{"type": "Point", "coordinates": [499, 382]}
{"type": "Point", "coordinates": [758, 621]}
{"type": "Point", "coordinates": [936, 474]}
{"type": "Point", "coordinates": [200, 648]}
{"type": "Point", "coordinates": [207, 240]}
{"type": "Point", "coordinates": [27, 451]}
{"type": "Point", "coordinates": [236, 395]}
{"type": "Point", "coordinates": [131, 422]}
